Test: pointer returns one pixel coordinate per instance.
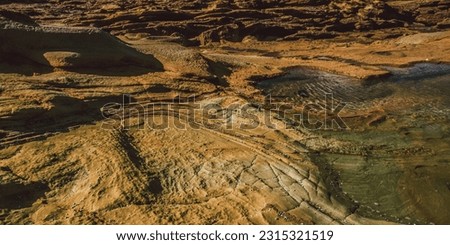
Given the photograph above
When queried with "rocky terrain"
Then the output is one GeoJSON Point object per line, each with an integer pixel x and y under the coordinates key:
{"type": "Point", "coordinates": [219, 112]}
{"type": "Point", "coordinates": [203, 22]}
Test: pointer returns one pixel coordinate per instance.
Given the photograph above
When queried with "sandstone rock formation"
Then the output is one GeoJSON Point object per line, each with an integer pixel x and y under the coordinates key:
{"type": "Point", "coordinates": [87, 86]}
{"type": "Point", "coordinates": [202, 22]}
{"type": "Point", "coordinates": [66, 47]}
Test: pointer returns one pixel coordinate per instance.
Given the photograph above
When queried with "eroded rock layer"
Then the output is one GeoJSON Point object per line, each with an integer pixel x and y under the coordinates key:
{"type": "Point", "coordinates": [296, 112]}
{"type": "Point", "coordinates": [202, 22]}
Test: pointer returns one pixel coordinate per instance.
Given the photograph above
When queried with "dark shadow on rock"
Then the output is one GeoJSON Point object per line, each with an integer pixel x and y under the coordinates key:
{"type": "Point", "coordinates": [83, 50]}
{"type": "Point", "coordinates": [159, 88]}
{"type": "Point", "coordinates": [13, 63]}
{"type": "Point", "coordinates": [38, 123]}
{"type": "Point", "coordinates": [155, 186]}
{"type": "Point", "coordinates": [17, 63]}
{"type": "Point", "coordinates": [221, 71]}
{"type": "Point", "coordinates": [17, 17]}
{"type": "Point", "coordinates": [268, 33]}
{"type": "Point", "coordinates": [125, 71]}
{"type": "Point", "coordinates": [17, 196]}
{"type": "Point", "coordinates": [130, 150]}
